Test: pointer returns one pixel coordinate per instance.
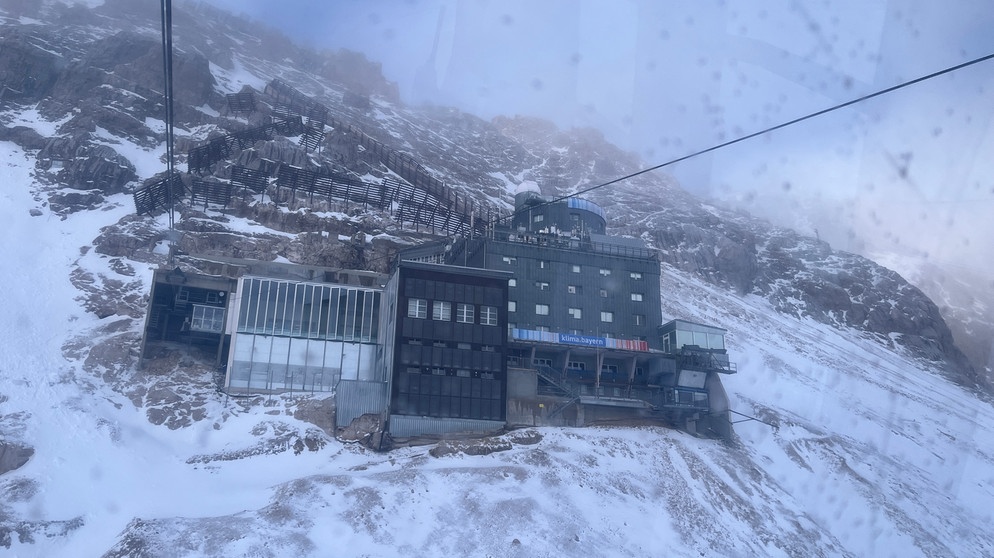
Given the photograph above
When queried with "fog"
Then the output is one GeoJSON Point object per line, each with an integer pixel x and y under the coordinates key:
{"type": "Point", "coordinates": [907, 174]}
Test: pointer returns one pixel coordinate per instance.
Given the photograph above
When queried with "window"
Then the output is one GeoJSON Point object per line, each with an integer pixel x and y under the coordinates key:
{"type": "Point", "coordinates": [207, 318]}
{"type": "Point", "coordinates": [538, 218]}
{"type": "Point", "coordinates": [487, 348]}
{"type": "Point", "coordinates": [441, 344]}
{"type": "Point", "coordinates": [543, 264]}
{"type": "Point", "coordinates": [542, 285]}
{"type": "Point", "coordinates": [609, 369]}
{"type": "Point", "coordinates": [512, 282]}
{"type": "Point", "coordinates": [576, 365]}
{"type": "Point", "coordinates": [574, 289]}
{"type": "Point", "coordinates": [637, 297]}
{"type": "Point", "coordinates": [543, 362]}
{"type": "Point", "coordinates": [605, 272]}
{"type": "Point", "coordinates": [603, 293]}
{"type": "Point", "coordinates": [542, 309]}
{"type": "Point", "coordinates": [464, 346]}
{"type": "Point", "coordinates": [464, 313]}
{"type": "Point", "coordinates": [488, 315]}
{"type": "Point", "coordinates": [512, 306]}
{"type": "Point", "coordinates": [441, 310]}
{"type": "Point", "coordinates": [542, 328]}
{"type": "Point", "coordinates": [635, 275]}
{"type": "Point", "coordinates": [639, 319]}
{"type": "Point", "coordinates": [575, 269]}
{"type": "Point", "coordinates": [509, 260]}
{"type": "Point", "coordinates": [607, 316]}
{"type": "Point", "coordinates": [417, 308]}
{"type": "Point", "coordinates": [575, 313]}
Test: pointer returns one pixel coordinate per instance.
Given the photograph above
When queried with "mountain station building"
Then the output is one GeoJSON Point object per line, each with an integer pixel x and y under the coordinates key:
{"type": "Point", "coordinates": [545, 320]}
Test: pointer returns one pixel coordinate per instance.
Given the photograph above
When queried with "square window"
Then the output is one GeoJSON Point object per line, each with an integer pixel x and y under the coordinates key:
{"type": "Point", "coordinates": [576, 313]}
{"type": "Point", "coordinates": [542, 285]}
{"type": "Point", "coordinates": [509, 260]}
{"type": "Point", "coordinates": [512, 282]}
{"type": "Point", "coordinates": [207, 318]}
{"type": "Point", "coordinates": [441, 310]}
{"type": "Point", "coordinates": [635, 275]}
{"type": "Point", "coordinates": [639, 319]}
{"type": "Point", "coordinates": [417, 308]}
{"type": "Point", "coordinates": [575, 269]}
{"type": "Point", "coordinates": [605, 272]}
{"type": "Point", "coordinates": [573, 289]}
{"type": "Point", "coordinates": [637, 297]}
{"type": "Point", "coordinates": [488, 315]}
{"type": "Point", "coordinates": [603, 293]}
{"type": "Point", "coordinates": [512, 306]}
{"type": "Point", "coordinates": [542, 309]}
{"type": "Point", "coordinates": [538, 218]}
{"type": "Point", "coordinates": [543, 264]}
{"type": "Point", "coordinates": [607, 316]}
{"type": "Point", "coordinates": [464, 313]}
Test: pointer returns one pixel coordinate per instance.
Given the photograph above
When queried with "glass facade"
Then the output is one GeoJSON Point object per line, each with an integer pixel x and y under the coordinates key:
{"type": "Point", "coordinates": [302, 336]}
{"type": "Point", "coordinates": [315, 311]}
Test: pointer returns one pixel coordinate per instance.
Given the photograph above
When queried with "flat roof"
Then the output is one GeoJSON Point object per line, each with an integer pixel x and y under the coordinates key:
{"type": "Point", "coordinates": [687, 325]}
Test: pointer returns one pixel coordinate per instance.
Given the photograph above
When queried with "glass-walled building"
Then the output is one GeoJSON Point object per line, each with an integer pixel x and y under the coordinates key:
{"type": "Point", "coordinates": [299, 335]}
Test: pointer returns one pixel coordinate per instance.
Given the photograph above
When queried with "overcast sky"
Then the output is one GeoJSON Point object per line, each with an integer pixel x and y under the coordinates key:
{"type": "Point", "coordinates": [909, 172]}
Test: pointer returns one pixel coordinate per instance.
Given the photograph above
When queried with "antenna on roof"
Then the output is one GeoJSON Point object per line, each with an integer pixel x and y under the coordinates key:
{"type": "Point", "coordinates": [167, 70]}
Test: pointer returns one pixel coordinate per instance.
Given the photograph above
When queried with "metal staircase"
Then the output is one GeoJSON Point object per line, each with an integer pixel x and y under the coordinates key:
{"type": "Point", "coordinates": [548, 375]}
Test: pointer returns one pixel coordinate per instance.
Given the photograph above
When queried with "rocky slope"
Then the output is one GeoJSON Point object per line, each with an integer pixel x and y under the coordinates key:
{"type": "Point", "coordinates": [46, 66]}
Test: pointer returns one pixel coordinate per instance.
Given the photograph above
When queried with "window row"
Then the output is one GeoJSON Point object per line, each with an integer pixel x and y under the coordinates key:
{"type": "Point", "coordinates": [574, 268]}
{"type": "Point", "coordinates": [275, 307]}
{"type": "Point", "coordinates": [575, 313]}
{"type": "Point", "coordinates": [441, 310]}
{"type": "Point", "coordinates": [576, 289]}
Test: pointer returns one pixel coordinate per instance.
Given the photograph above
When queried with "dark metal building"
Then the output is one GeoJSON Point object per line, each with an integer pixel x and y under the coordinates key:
{"type": "Point", "coordinates": [586, 341]}
{"type": "Point", "coordinates": [445, 348]}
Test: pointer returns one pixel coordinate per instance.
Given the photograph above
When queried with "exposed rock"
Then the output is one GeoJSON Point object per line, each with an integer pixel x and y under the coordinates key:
{"type": "Point", "coordinates": [368, 431]}
{"type": "Point", "coordinates": [13, 455]}
{"type": "Point", "coordinates": [27, 71]}
{"type": "Point", "coordinates": [26, 138]}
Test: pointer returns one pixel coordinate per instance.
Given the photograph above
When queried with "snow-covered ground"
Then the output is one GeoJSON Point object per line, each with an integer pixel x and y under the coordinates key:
{"type": "Point", "coordinates": [868, 454]}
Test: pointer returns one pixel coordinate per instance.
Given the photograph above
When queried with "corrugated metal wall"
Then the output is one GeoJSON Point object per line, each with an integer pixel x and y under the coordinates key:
{"type": "Point", "coordinates": [404, 426]}
{"type": "Point", "coordinates": [354, 398]}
